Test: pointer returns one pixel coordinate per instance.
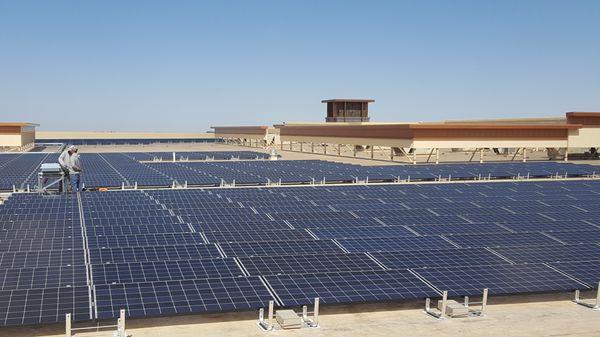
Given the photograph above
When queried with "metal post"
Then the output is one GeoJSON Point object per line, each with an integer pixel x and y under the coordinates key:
{"type": "Point", "coordinates": [325, 148]}
{"type": "Point", "coordinates": [566, 154]}
{"type": "Point", "coordinates": [414, 161]}
{"type": "Point", "coordinates": [524, 154]}
{"type": "Point", "coordinates": [68, 325]}
{"type": "Point", "coordinates": [312, 147]}
{"type": "Point", "coordinates": [597, 305]}
{"type": "Point", "coordinates": [339, 149]}
{"type": "Point", "coordinates": [291, 144]}
{"type": "Point", "coordinates": [372, 151]}
{"type": "Point", "coordinates": [301, 146]}
{"type": "Point", "coordinates": [354, 151]}
{"type": "Point", "coordinates": [261, 317]}
{"type": "Point", "coordinates": [444, 303]}
{"type": "Point", "coordinates": [466, 304]}
{"type": "Point", "coordinates": [174, 157]}
{"type": "Point", "coordinates": [270, 317]}
{"type": "Point", "coordinates": [121, 323]}
{"type": "Point", "coordinates": [484, 301]}
{"type": "Point", "coordinates": [391, 153]}
{"type": "Point", "coordinates": [437, 156]}
{"type": "Point", "coordinates": [304, 313]}
{"type": "Point", "coordinates": [316, 313]}
{"type": "Point", "coordinates": [281, 143]}
{"type": "Point", "coordinates": [481, 156]}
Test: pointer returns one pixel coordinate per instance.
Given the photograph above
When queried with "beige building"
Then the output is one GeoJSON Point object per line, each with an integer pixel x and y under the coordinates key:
{"type": "Point", "coordinates": [19, 136]}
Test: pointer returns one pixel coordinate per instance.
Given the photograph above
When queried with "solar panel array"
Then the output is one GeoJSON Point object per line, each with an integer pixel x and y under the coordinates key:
{"type": "Point", "coordinates": [166, 251]}
{"type": "Point", "coordinates": [155, 169]}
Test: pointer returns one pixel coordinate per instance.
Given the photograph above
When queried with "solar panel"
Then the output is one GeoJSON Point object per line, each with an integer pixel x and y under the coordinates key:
{"type": "Point", "coordinates": [361, 232]}
{"type": "Point", "coordinates": [549, 226]}
{"type": "Point", "coordinates": [475, 228]}
{"type": "Point", "coordinates": [258, 236]}
{"type": "Point", "coordinates": [179, 297]}
{"type": "Point", "coordinates": [586, 271]}
{"type": "Point", "coordinates": [42, 258]}
{"type": "Point", "coordinates": [348, 287]}
{"type": "Point", "coordinates": [160, 239]}
{"type": "Point", "coordinates": [305, 264]}
{"type": "Point", "coordinates": [437, 258]}
{"type": "Point", "coordinates": [499, 279]}
{"type": "Point", "coordinates": [276, 248]}
{"type": "Point", "coordinates": [592, 236]}
{"type": "Point", "coordinates": [554, 253]}
{"type": "Point", "coordinates": [394, 244]}
{"type": "Point", "coordinates": [46, 305]}
{"type": "Point", "coordinates": [151, 271]}
{"type": "Point", "coordinates": [159, 253]}
{"type": "Point", "coordinates": [501, 239]}
{"type": "Point", "coordinates": [42, 277]}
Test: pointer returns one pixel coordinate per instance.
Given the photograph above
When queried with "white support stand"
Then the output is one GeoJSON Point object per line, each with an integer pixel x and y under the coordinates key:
{"type": "Point", "coordinates": [437, 314]}
{"type": "Point", "coordinates": [451, 308]}
{"type": "Point", "coordinates": [68, 325]}
{"type": "Point", "coordinates": [595, 306]}
{"type": "Point", "coordinates": [266, 325]}
{"type": "Point", "coordinates": [119, 333]}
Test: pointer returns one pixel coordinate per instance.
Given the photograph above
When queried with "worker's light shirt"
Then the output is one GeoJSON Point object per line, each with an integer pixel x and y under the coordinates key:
{"type": "Point", "coordinates": [74, 164]}
{"type": "Point", "coordinates": [63, 159]}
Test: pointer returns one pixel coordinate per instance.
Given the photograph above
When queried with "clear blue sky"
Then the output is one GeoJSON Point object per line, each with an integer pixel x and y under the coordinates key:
{"type": "Point", "coordinates": [186, 65]}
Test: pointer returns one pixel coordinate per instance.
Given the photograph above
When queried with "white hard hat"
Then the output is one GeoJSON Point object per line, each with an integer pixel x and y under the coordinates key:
{"type": "Point", "coordinates": [72, 148]}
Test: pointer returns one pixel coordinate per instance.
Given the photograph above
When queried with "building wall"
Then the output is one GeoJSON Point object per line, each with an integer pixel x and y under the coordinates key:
{"type": "Point", "coordinates": [10, 140]}
{"type": "Point", "coordinates": [585, 137]}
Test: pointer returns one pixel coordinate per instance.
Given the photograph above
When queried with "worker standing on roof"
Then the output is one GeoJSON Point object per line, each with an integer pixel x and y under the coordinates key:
{"type": "Point", "coordinates": [64, 160]}
{"type": "Point", "coordinates": [75, 170]}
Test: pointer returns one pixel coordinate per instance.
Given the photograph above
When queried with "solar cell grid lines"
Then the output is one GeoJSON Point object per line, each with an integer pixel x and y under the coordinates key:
{"type": "Point", "coordinates": [554, 253]}
{"type": "Point", "coordinates": [501, 239]}
{"type": "Point", "coordinates": [347, 287]}
{"type": "Point", "coordinates": [437, 258]}
{"type": "Point", "coordinates": [550, 226]}
{"type": "Point", "coordinates": [234, 228]}
{"type": "Point", "coordinates": [361, 232]}
{"type": "Point", "coordinates": [179, 297]}
{"type": "Point", "coordinates": [41, 243]}
{"type": "Point", "coordinates": [424, 219]}
{"type": "Point", "coordinates": [499, 279]}
{"type": "Point", "coordinates": [159, 253]}
{"type": "Point", "coordinates": [312, 215]}
{"type": "Point", "coordinates": [138, 229]}
{"type": "Point", "coordinates": [44, 305]}
{"type": "Point", "coordinates": [308, 263]}
{"type": "Point", "coordinates": [42, 277]}
{"type": "Point", "coordinates": [587, 236]}
{"type": "Point", "coordinates": [586, 271]}
{"type": "Point", "coordinates": [257, 236]}
{"type": "Point", "coordinates": [469, 228]}
{"type": "Point", "coordinates": [394, 244]}
{"type": "Point", "coordinates": [331, 223]}
{"type": "Point", "coordinates": [160, 239]}
{"type": "Point", "coordinates": [150, 271]}
{"type": "Point", "coordinates": [42, 258]}
{"type": "Point", "coordinates": [279, 248]}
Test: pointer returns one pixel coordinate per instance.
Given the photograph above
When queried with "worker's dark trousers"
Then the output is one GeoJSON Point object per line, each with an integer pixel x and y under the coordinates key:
{"type": "Point", "coordinates": [76, 182]}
